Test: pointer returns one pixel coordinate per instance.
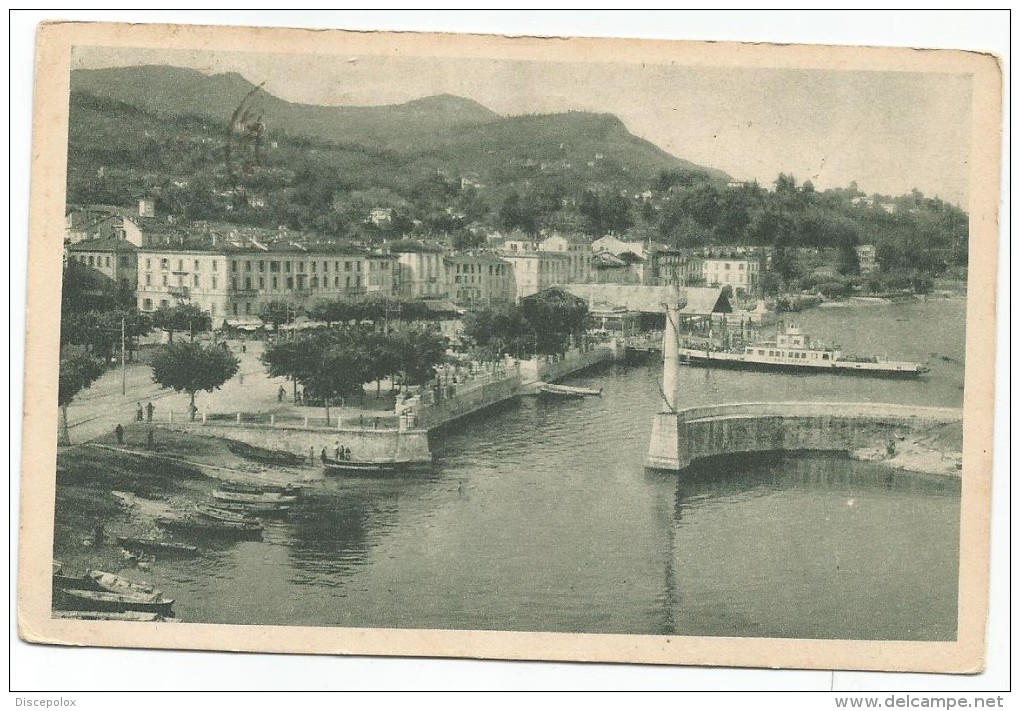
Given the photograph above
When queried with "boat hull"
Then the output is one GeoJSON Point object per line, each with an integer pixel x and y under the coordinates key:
{"type": "Point", "coordinates": [836, 368]}
{"type": "Point", "coordinates": [151, 545]}
{"type": "Point", "coordinates": [357, 468]}
{"type": "Point", "coordinates": [207, 526]}
{"type": "Point", "coordinates": [112, 602]}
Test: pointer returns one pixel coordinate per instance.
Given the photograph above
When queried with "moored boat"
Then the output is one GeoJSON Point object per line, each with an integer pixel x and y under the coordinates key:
{"type": "Point", "coordinates": [253, 509]}
{"type": "Point", "coordinates": [237, 497]}
{"type": "Point", "coordinates": [103, 601]}
{"type": "Point", "coordinates": [244, 528]}
{"type": "Point", "coordinates": [111, 616]}
{"type": "Point", "coordinates": [157, 546]}
{"type": "Point", "coordinates": [111, 582]}
{"type": "Point", "coordinates": [242, 488]}
{"type": "Point", "coordinates": [218, 513]}
{"type": "Point", "coordinates": [793, 351]}
{"type": "Point", "coordinates": [353, 466]}
{"type": "Point", "coordinates": [568, 390]}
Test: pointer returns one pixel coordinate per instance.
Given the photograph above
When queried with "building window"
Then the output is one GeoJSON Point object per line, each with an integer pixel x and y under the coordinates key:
{"type": "Point", "coordinates": [262, 266]}
{"type": "Point", "coordinates": [247, 283]}
{"type": "Point", "coordinates": [214, 279]}
{"type": "Point", "coordinates": [359, 268]}
{"type": "Point", "coordinates": [92, 261]}
{"type": "Point", "coordinates": [180, 265]}
{"type": "Point", "coordinates": [286, 266]}
{"type": "Point", "coordinates": [163, 304]}
{"type": "Point", "coordinates": [147, 304]}
{"type": "Point", "coordinates": [148, 280]}
{"type": "Point", "coordinates": [212, 309]}
{"type": "Point", "coordinates": [336, 282]}
{"type": "Point", "coordinates": [315, 280]}
{"type": "Point", "coordinates": [262, 282]}
{"type": "Point", "coordinates": [325, 266]}
{"type": "Point", "coordinates": [123, 261]}
{"type": "Point", "coordinates": [315, 266]}
{"type": "Point", "coordinates": [275, 283]}
{"type": "Point", "coordinates": [215, 265]}
{"type": "Point", "coordinates": [196, 280]}
{"type": "Point", "coordinates": [164, 280]}
{"type": "Point", "coordinates": [247, 266]}
{"type": "Point", "coordinates": [148, 263]}
{"type": "Point", "coordinates": [290, 282]}
{"type": "Point", "coordinates": [347, 267]}
{"type": "Point", "coordinates": [301, 267]}
{"type": "Point", "coordinates": [233, 284]}
{"type": "Point", "coordinates": [197, 266]}
{"type": "Point", "coordinates": [234, 307]}
{"type": "Point", "coordinates": [247, 307]}
{"type": "Point", "coordinates": [233, 268]}
{"type": "Point", "coordinates": [274, 266]}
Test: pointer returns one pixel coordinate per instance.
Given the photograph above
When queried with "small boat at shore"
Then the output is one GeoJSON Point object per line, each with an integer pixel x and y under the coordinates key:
{"type": "Point", "coordinates": [61, 581]}
{"type": "Point", "coordinates": [104, 601]}
{"type": "Point", "coordinates": [253, 509]}
{"type": "Point", "coordinates": [218, 513]}
{"type": "Point", "coordinates": [568, 390]}
{"type": "Point", "coordinates": [95, 615]}
{"type": "Point", "coordinates": [242, 488]}
{"type": "Point", "coordinates": [243, 528]}
{"type": "Point", "coordinates": [157, 546]}
{"type": "Point", "coordinates": [111, 582]}
{"type": "Point", "coordinates": [353, 466]}
{"type": "Point", "coordinates": [237, 497]}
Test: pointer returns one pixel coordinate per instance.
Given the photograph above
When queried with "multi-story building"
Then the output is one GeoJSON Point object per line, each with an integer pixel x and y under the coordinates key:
{"type": "Point", "coordinates": [232, 282]}
{"type": "Point", "coordinates": [116, 258]}
{"type": "Point", "coordinates": [867, 257]}
{"type": "Point", "coordinates": [478, 279]}
{"type": "Point", "coordinates": [100, 222]}
{"type": "Point", "coordinates": [579, 255]}
{"type": "Point", "coordinates": [421, 273]}
{"type": "Point", "coordinates": [537, 270]}
{"type": "Point", "coordinates": [740, 273]}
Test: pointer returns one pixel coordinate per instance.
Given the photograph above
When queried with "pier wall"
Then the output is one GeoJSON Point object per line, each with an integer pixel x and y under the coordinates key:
{"type": "Point", "coordinates": [384, 445]}
{"type": "Point", "coordinates": [465, 401]}
{"type": "Point", "coordinates": [550, 368]}
{"type": "Point", "coordinates": [679, 439]}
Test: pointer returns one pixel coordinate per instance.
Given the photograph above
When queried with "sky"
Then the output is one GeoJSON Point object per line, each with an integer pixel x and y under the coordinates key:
{"type": "Point", "coordinates": [888, 131]}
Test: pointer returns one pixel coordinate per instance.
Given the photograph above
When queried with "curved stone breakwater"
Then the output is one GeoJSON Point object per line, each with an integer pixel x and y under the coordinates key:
{"type": "Point", "coordinates": [866, 430]}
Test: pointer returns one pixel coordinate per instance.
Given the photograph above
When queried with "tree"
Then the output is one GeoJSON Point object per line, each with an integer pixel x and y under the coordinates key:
{"type": "Point", "coordinates": [190, 367]}
{"type": "Point", "coordinates": [277, 313]}
{"type": "Point", "coordinates": [554, 315]}
{"type": "Point", "coordinates": [78, 370]}
{"type": "Point", "coordinates": [183, 317]}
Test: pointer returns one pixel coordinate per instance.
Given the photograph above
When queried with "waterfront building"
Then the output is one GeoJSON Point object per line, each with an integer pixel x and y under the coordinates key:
{"type": "Point", "coordinates": [579, 255]}
{"type": "Point", "coordinates": [104, 222]}
{"type": "Point", "coordinates": [741, 273]}
{"type": "Point", "coordinates": [478, 279]}
{"type": "Point", "coordinates": [421, 273]}
{"type": "Point", "coordinates": [116, 258]}
{"type": "Point", "coordinates": [232, 281]}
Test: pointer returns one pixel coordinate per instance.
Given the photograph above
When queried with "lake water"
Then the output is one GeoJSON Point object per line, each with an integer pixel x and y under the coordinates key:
{"type": "Point", "coordinates": [540, 516]}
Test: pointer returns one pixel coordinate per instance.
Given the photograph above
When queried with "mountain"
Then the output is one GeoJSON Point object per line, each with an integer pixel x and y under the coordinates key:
{"type": "Point", "coordinates": [176, 91]}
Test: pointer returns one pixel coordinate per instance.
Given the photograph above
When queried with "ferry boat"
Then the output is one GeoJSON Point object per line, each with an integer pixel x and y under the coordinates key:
{"type": "Point", "coordinates": [793, 351]}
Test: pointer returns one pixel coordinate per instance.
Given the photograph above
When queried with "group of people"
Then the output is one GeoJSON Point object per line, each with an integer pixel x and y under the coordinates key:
{"type": "Point", "coordinates": [340, 452]}
{"type": "Point", "coordinates": [147, 414]}
{"type": "Point", "coordinates": [299, 395]}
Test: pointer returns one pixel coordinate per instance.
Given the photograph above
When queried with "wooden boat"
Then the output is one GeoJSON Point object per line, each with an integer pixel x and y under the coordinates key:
{"type": "Point", "coordinates": [354, 466]}
{"type": "Point", "coordinates": [245, 528]}
{"type": "Point", "coordinates": [240, 488]}
{"type": "Point", "coordinates": [568, 390]}
{"type": "Point", "coordinates": [250, 510]}
{"type": "Point", "coordinates": [236, 497]}
{"type": "Point", "coordinates": [157, 546]}
{"type": "Point", "coordinates": [102, 601]}
{"type": "Point", "coordinates": [219, 513]}
{"type": "Point", "coordinates": [111, 616]}
{"type": "Point", "coordinates": [61, 581]}
{"type": "Point", "coordinates": [111, 582]}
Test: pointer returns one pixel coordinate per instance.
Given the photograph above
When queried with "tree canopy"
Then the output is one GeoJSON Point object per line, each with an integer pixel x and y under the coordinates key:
{"type": "Point", "coordinates": [542, 323]}
{"type": "Point", "coordinates": [78, 370]}
{"type": "Point", "coordinates": [191, 367]}
{"type": "Point", "coordinates": [182, 317]}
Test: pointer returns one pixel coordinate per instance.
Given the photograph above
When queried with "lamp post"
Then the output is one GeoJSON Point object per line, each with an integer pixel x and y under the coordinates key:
{"type": "Point", "coordinates": [123, 350]}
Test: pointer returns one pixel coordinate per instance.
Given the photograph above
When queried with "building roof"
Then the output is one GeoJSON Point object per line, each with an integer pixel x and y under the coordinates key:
{"type": "Point", "coordinates": [103, 245]}
{"type": "Point", "coordinates": [695, 301]}
{"type": "Point", "coordinates": [474, 257]}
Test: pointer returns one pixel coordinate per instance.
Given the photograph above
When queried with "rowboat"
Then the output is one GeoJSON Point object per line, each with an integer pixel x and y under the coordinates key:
{"type": "Point", "coordinates": [155, 545]}
{"type": "Point", "coordinates": [219, 514]}
{"type": "Point", "coordinates": [102, 601]}
{"type": "Point", "coordinates": [111, 616]}
{"type": "Point", "coordinates": [249, 510]}
{"type": "Point", "coordinates": [244, 528]}
{"type": "Point", "coordinates": [568, 390]}
{"type": "Point", "coordinates": [111, 582]}
{"type": "Point", "coordinates": [236, 497]}
{"type": "Point", "coordinates": [73, 582]}
{"type": "Point", "coordinates": [239, 488]}
{"type": "Point", "coordinates": [352, 466]}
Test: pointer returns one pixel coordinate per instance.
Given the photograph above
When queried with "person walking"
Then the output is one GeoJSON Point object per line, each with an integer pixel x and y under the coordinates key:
{"type": "Point", "coordinates": [347, 453]}
{"type": "Point", "coordinates": [119, 431]}
{"type": "Point", "coordinates": [280, 393]}
{"type": "Point", "coordinates": [322, 455]}
{"type": "Point", "coordinates": [139, 415]}
{"type": "Point", "coordinates": [149, 409]}
{"type": "Point", "coordinates": [339, 451]}
{"type": "Point", "coordinates": [150, 440]}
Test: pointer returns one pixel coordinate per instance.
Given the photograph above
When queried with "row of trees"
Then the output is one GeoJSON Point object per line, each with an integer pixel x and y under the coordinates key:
{"type": "Point", "coordinates": [543, 323]}
{"type": "Point", "coordinates": [335, 364]}
{"type": "Point", "coordinates": [377, 309]}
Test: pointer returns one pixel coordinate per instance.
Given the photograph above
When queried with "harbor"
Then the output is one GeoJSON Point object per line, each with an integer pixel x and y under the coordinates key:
{"type": "Point", "coordinates": [509, 500]}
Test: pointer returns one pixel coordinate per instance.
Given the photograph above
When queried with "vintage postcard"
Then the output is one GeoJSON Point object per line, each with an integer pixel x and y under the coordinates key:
{"type": "Point", "coordinates": [514, 348]}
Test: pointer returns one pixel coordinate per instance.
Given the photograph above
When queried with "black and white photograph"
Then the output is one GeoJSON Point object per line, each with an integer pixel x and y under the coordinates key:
{"type": "Point", "coordinates": [621, 343]}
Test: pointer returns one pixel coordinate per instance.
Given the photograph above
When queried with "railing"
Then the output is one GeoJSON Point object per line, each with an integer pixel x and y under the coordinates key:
{"type": "Point", "coordinates": [868, 410]}
{"type": "Point", "coordinates": [380, 421]}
